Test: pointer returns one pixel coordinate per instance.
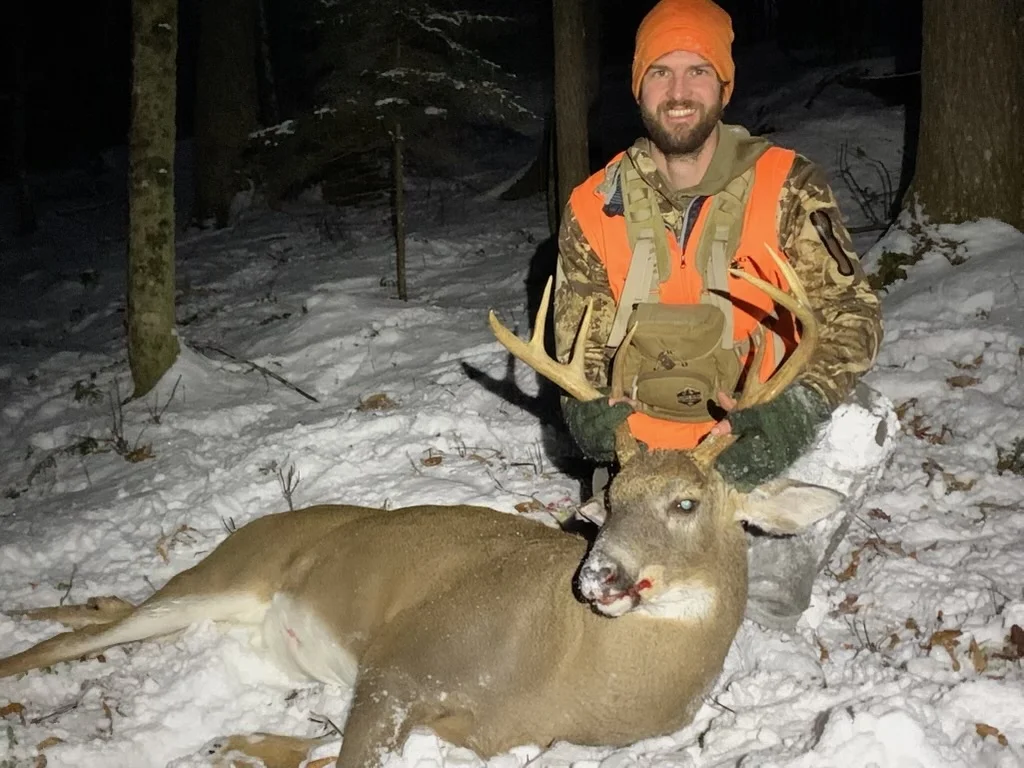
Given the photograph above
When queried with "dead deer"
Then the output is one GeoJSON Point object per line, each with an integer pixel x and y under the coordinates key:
{"type": "Point", "coordinates": [465, 620]}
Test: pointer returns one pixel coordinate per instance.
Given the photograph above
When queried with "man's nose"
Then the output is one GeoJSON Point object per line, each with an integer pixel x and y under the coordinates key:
{"type": "Point", "coordinates": [679, 89]}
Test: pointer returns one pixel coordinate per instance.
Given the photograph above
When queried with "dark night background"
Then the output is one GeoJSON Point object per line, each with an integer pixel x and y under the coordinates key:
{"type": "Point", "coordinates": [77, 60]}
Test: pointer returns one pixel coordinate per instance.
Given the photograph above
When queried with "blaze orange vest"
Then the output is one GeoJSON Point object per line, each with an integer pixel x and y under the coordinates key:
{"type": "Point", "coordinates": [607, 236]}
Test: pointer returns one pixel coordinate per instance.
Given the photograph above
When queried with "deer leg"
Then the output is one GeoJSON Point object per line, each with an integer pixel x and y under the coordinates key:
{"type": "Point", "coordinates": [96, 610]}
{"type": "Point", "coordinates": [264, 749]}
{"type": "Point", "coordinates": [173, 608]}
{"type": "Point", "coordinates": [384, 711]}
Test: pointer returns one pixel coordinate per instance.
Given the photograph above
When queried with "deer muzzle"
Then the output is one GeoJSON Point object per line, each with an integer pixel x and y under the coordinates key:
{"type": "Point", "coordinates": [608, 586]}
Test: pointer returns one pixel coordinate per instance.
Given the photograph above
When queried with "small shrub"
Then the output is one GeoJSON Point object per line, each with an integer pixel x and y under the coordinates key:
{"type": "Point", "coordinates": [891, 268]}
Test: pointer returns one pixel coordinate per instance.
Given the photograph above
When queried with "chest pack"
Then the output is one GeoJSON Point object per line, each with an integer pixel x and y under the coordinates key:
{"type": "Point", "coordinates": [679, 356]}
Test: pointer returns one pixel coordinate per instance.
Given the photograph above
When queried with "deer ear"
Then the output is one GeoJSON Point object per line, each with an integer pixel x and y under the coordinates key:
{"type": "Point", "coordinates": [785, 506]}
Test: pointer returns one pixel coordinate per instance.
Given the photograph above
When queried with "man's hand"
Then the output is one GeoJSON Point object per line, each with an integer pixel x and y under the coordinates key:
{"type": "Point", "coordinates": [771, 436]}
{"type": "Point", "coordinates": [592, 424]}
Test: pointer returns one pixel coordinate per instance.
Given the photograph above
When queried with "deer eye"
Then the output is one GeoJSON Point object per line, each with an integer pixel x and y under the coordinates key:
{"type": "Point", "coordinates": [686, 506]}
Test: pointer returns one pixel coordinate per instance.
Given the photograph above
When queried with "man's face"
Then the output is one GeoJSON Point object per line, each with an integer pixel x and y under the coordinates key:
{"type": "Point", "coordinates": [680, 102]}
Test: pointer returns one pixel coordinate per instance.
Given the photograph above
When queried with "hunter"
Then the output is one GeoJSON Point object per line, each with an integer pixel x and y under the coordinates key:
{"type": "Point", "coordinates": [650, 240]}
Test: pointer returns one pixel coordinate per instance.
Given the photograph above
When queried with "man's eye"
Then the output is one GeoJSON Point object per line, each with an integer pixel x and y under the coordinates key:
{"type": "Point", "coordinates": [687, 506]}
{"type": "Point", "coordinates": [699, 71]}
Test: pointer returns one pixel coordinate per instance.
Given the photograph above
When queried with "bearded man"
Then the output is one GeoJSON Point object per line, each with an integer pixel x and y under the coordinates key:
{"type": "Point", "coordinates": [650, 240]}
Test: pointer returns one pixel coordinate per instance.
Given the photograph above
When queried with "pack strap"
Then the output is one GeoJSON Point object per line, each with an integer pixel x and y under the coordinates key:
{"type": "Point", "coordinates": [649, 264]}
{"type": "Point", "coordinates": [720, 238]}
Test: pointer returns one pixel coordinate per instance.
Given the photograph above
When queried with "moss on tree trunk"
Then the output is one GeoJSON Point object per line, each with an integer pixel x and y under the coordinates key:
{"type": "Point", "coordinates": [970, 159]}
{"type": "Point", "coordinates": [152, 343]}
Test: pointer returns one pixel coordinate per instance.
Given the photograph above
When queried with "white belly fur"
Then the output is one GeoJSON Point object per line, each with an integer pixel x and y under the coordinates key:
{"type": "Point", "coordinates": [299, 642]}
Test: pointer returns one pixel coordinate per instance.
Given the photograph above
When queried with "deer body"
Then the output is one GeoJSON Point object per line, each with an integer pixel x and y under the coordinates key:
{"type": "Point", "coordinates": [462, 619]}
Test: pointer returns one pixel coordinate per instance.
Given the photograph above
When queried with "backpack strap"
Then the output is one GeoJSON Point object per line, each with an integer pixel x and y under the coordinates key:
{"type": "Point", "coordinates": [649, 263]}
{"type": "Point", "coordinates": [719, 239]}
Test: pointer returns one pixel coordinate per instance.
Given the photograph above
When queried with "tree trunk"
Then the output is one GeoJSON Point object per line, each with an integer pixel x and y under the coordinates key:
{"type": "Point", "coordinates": [571, 91]}
{"type": "Point", "coordinates": [907, 18]}
{"type": "Point", "coordinates": [399, 202]}
{"type": "Point", "coordinates": [227, 102]}
{"type": "Point", "coordinates": [270, 111]}
{"type": "Point", "coordinates": [971, 149]}
{"type": "Point", "coordinates": [152, 344]}
{"type": "Point", "coordinates": [24, 209]}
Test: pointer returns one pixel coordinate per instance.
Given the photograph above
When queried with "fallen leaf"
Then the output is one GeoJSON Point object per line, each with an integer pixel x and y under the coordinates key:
{"type": "Point", "coordinates": [979, 659]}
{"type": "Point", "coordinates": [141, 453]}
{"type": "Point", "coordinates": [953, 483]}
{"type": "Point", "coordinates": [1013, 645]}
{"type": "Point", "coordinates": [823, 654]}
{"type": "Point", "coordinates": [903, 408]}
{"type": "Point", "coordinates": [973, 365]}
{"type": "Point", "coordinates": [14, 708]}
{"type": "Point", "coordinates": [912, 625]}
{"type": "Point", "coordinates": [894, 640]}
{"type": "Point", "coordinates": [851, 570]}
{"type": "Point", "coordinates": [948, 640]}
{"type": "Point", "coordinates": [529, 506]}
{"type": "Point", "coordinates": [48, 742]}
{"type": "Point", "coordinates": [849, 604]}
{"type": "Point", "coordinates": [379, 401]}
{"type": "Point", "coordinates": [878, 514]}
{"type": "Point", "coordinates": [987, 730]}
{"type": "Point", "coordinates": [961, 381]}
{"type": "Point", "coordinates": [432, 461]}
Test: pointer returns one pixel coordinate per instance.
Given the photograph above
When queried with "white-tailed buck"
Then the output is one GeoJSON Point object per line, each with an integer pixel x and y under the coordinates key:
{"type": "Point", "coordinates": [492, 630]}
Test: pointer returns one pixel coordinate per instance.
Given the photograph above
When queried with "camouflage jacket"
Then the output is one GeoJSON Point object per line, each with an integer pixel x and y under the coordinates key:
{"type": "Point", "coordinates": [811, 234]}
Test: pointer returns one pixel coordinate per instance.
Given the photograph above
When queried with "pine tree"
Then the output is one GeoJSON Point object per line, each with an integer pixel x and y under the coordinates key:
{"type": "Point", "coordinates": [407, 63]}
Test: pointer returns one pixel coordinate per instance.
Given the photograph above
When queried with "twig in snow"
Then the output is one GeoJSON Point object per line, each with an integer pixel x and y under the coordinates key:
{"type": "Point", "coordinates": [289, 482]}
{"type": "Point", "coordinates": [156, 412]}
{"type": "Point", "coordinates": [256, 367]}
{"type": "Point", "coordinates": [326, 722]}
{"type": "Point", "coordinates": [70, 584]}
{"type": "Point", "coordinates": [107, 732]}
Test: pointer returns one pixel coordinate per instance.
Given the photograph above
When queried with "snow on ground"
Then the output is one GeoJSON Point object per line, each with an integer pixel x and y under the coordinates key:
{"type": "Point", "coordinates": [909, 655]}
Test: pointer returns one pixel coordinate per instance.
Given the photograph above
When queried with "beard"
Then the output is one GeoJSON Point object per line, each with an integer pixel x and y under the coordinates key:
{"type": "Point", "coordinates": [681, 141]}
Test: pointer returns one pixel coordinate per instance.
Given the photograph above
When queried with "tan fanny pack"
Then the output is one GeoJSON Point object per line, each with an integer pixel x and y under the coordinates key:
{"type": "Point", "coordinates": [676, 363]}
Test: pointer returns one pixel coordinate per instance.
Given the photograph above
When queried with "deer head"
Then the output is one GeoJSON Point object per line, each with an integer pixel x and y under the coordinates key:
{"type": "Point", "coordinates": [672, 543]}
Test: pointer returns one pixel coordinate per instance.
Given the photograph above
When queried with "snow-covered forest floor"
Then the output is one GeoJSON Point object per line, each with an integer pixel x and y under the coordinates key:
{"type": "Point", "coordinates": [909, 655]}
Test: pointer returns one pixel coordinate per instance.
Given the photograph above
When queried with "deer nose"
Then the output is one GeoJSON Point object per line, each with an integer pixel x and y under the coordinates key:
{"type": "Point", "coordinates": [598, 579]}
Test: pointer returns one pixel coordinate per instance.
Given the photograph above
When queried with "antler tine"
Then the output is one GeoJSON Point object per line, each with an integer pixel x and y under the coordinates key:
{"type": "Point", "coordinates": [569, 376]}
{"type": "Point", "coordinates": [797, 302]}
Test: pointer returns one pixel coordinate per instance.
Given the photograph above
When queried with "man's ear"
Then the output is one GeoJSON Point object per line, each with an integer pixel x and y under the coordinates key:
{"type": "Point", "coordinates": [784, 506]}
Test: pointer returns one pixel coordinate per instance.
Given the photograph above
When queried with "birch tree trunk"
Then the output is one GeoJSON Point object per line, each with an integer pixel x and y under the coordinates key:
{"type": "Point", "coordinates": [152, 343]}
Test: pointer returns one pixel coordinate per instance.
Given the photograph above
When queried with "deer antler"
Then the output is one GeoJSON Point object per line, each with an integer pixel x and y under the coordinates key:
{"type": "Point", "coordinates": [797, 302]}
{"type": "Point", "coordinates": [754, 391]}
{"type": "Point", "coordinates": [569, 376]}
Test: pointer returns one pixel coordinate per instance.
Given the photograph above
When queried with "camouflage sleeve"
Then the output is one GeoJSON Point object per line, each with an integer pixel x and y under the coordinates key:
{"type": "Point", "coordinates": [815, 240]}
{"type": "Point", "coordinates": [580, 277]}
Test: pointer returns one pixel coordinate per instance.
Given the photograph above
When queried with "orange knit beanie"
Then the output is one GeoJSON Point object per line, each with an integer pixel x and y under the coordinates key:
{"type": "Point", "coordinates": [698, 26]}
